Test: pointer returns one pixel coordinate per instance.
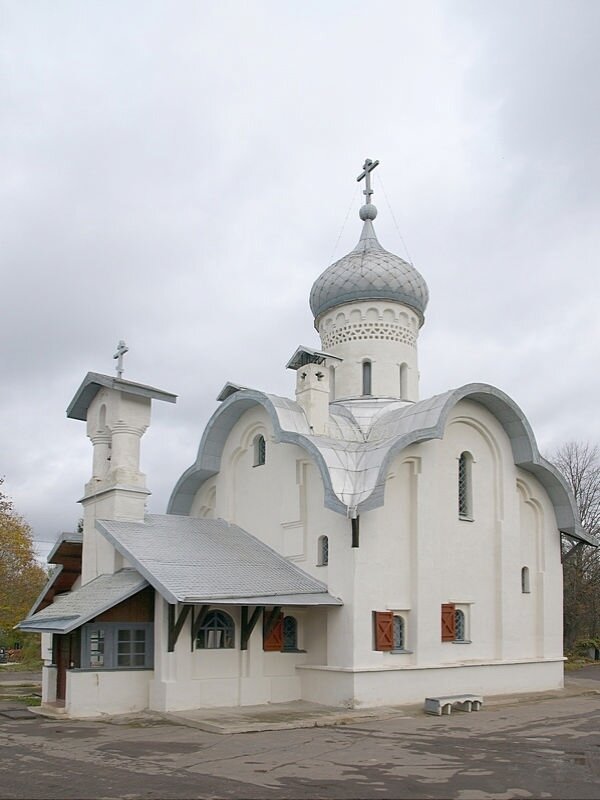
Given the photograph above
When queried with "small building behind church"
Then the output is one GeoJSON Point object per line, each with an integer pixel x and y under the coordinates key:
{"type": "Point", "coordinates": [354, 546]}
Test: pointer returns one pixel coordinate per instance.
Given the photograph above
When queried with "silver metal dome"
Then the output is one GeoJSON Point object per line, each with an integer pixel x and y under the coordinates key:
{"type": "Point", "coordinates": [369, 273]}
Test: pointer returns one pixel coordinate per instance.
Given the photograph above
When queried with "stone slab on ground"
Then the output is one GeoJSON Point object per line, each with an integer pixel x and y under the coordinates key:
{"type": "Point", "coordinates": [276, 716]}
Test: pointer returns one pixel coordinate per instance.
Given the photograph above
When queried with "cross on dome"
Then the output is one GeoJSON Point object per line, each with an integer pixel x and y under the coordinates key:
{"type": "Point", "coordinates": [368, 168]}
{"type": "Point", "coordinates": [368, 211]}
{"type": "Point", "coordinates": [121, 350]}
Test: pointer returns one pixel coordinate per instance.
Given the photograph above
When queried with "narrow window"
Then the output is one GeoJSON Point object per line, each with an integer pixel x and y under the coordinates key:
{"type": "Point", "coordinates": [323, 551]}
{"type": "Point", "coordinates": [465, 489]}
{"type": "Point", "coordinates": [459, 625]}
{"type": "Point", "coordinates": [290, 634]}
{"type": "Point", "coordinates": [260, 451]}
{"type": "Point", "coordinates": [399, 633]}
{"type": "Point", "coordinates": [366, 377]}
{"type": "Point", "coordinates": [217, 632]}
{"type": "Point", "coordinates": [331, 384]}
{"type": "Point", "coordinates": [403, 382]}
{"type": "Point", "coordinates": [525, 588]}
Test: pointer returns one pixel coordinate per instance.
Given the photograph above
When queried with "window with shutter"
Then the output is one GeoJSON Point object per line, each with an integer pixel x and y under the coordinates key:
{"type": "Point", "coordinates": [448, 622]}
{"type": "Point", "coordinates": [383, 622]}
{"type": "Point", "coordinates": [273, 639]}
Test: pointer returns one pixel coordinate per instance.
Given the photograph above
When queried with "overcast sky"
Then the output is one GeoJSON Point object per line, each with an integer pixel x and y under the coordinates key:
{"type": "Point", "coordinates": [177, 174]}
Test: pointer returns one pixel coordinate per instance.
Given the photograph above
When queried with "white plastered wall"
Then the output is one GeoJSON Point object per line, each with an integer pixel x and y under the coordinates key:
{"type": "Point", "coordinates": [90, 694]}
{"type": "Point", "coordinates": [194, 678]}
{"type": "Point", "coordinates": [416, 553]}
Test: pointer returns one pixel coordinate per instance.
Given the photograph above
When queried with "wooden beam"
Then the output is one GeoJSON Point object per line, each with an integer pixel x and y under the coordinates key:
{"type": "Point", "coordinates": [355, 530]}
{"type": "Point", "coordinates": [175, 625]}
{"type": "Point", "coordinates": [270, 621]}
{"type": "Point", "coordinates": [197, 623]}
{"type": "Point", "coordinates": [70, 564]}
{"type": "Point", "coordinates": [248, 624]}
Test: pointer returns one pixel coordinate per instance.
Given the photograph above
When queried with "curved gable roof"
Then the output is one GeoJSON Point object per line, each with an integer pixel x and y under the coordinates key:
{"type": "Point", "coordinates": [354, 466]}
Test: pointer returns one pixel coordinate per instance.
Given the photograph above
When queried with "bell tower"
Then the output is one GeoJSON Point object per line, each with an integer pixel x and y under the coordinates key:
{"type": "Point", "coordinates": [117, 414]}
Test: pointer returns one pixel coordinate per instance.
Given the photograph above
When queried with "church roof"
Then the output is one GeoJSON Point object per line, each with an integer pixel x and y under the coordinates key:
{"type": "Point", "coordinates": [69, 611]}
{"type": "Point", "coordinates": [191, 560]}
{"type": "Point", "coordinates": [365, 436]}
{"type": "Point", "coordinates": [369, 273]}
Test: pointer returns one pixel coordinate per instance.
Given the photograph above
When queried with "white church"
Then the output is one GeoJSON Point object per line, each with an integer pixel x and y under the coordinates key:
{"type": "Point", "coordinates": [355, 546]}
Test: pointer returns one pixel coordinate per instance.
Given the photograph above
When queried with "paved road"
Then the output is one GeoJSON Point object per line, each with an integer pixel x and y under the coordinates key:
{"type": "Point", "coordinates": [591, 672]}
{"type": "Point", "coordinates": [544, 749]}
{"type": "Point", "coordinates": [19, 677]}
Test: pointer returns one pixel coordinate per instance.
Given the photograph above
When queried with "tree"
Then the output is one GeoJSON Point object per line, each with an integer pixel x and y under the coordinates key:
{"type": "Point", "coordinates": [21, 576]}
{"type": "Point", "coordinates": [579, 462]}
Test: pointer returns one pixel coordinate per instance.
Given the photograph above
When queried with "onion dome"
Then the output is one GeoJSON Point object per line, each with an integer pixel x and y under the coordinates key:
{"type": "Point", "coordinates": [369, 273]}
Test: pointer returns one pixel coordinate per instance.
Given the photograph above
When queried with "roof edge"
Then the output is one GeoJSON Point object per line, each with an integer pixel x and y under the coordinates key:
{"type": "Point", "coordinates": [208, 460]}
{"type": "Point", "coordinates": [94, 381]}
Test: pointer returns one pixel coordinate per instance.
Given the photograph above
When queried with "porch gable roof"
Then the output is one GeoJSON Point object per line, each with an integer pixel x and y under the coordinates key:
{"type": "Point", "coordinates": [192, 560]}
{"type": "Point", "coordinates": [73, 609]}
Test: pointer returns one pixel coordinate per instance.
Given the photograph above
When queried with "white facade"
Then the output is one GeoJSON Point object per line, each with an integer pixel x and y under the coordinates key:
{"type": "Point", "coordinates": [431, 529]}
{"type": "Point", "coordinates": [415, 553]}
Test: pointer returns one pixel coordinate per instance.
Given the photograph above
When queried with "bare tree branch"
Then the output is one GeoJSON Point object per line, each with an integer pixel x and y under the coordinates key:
{"type": "Point", "coordinates": [579, 462]}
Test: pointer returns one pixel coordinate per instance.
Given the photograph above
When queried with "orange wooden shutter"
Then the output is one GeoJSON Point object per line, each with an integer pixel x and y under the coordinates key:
{"type": "Point", "coordinates": [273, 640]}
{"type": "Point", "coordinates": [384, 630]}
{"type": "Point", "coordinates": [448, 622]}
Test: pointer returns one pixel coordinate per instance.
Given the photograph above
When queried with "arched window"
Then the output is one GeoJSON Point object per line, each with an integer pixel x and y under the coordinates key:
{"type": "Point", "coordinates": [260, 451]}
{"type": "Point", "coordinates": [399, 633]}
{"type": "Point", "coordinates": [525, 588]}
{"type": "Point", "coordinates": [403, 382]}
{"type": "Point", "coordinates": [217, 632]}
{"type": "Point", "coordinates": [322, 551]}
{"type": "Point", "coordinates": [290, 633]}
{"type": "Point", "coordinates": [465, 489]}
{"type": "Point", "coordinates": [459, 625]}
{"type": "Point", "coordinates": [366, 377]}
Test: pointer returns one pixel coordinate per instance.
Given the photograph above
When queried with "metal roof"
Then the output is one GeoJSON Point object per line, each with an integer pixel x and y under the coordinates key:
{"type": "Point", "coordinates": [69, 611]}
{"type": "Point", "coordinates": [194, 560]}
{"type": "Point", "coordinates": [369, 273]}
{"type": "Point", "coordinates": [94, 381]}
{"type": "Point", "coordinates": [364, 437]}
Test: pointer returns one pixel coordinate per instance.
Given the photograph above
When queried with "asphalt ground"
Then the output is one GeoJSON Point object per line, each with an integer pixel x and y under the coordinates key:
{"type": "Point", "coordinates": [532, 748]}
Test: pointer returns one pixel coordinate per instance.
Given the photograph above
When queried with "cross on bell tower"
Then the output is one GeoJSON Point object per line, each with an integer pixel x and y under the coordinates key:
{"type": "Point", "coordinates": [121, 350]}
